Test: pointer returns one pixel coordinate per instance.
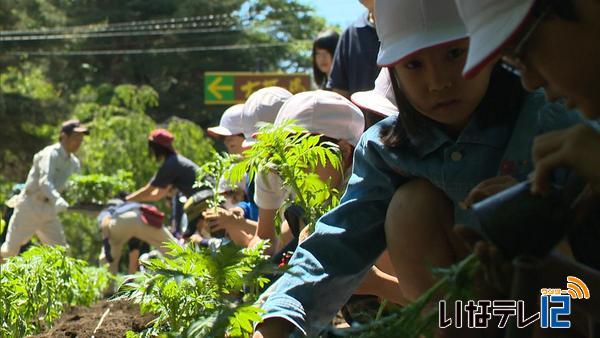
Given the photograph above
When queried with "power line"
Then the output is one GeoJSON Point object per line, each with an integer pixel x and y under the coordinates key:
{"type": "Point", "coordinates": [205, 20]}
{"type": "Point", "coordinates": [73, 36]}
{"type": "Point", "coordinates": [119, 26]}
{"type": "Point", "coordinates": [149, 51]}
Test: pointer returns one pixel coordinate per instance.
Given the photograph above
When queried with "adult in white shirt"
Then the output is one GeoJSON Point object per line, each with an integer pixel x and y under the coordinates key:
{"type": "Point", "coordinates": [37, 207]}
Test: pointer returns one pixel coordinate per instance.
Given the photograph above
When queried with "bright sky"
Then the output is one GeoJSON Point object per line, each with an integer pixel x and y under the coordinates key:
{"type": "Point", "coordinates": [341, 12]}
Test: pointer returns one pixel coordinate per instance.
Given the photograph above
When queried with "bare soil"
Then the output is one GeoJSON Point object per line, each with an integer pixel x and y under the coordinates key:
{"type": "Point", "coordinates": [81, 321]}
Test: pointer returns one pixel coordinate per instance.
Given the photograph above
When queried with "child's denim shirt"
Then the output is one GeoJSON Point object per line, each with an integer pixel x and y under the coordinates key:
{"type": "Point", "coordinates": [330, 264]}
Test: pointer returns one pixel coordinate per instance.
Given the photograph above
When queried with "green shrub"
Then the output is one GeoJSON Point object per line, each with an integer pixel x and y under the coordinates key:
{"type": "Point", "coordinates": [36, 286]}
{"type": "Point", "coordinates": [198, 291]}
{"type": "Point", "coordinates": [98, 188]}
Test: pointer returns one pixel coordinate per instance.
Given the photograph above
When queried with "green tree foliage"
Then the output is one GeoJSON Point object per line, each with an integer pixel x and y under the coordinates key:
{"type": "Point", "coordinates": [36, 286]}
{"type": "Point", "coordinates": [29, 108]}
{"type": "Point", "coordinates": [176, 76]}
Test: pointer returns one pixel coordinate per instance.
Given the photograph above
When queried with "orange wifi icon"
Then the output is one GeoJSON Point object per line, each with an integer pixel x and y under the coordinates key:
{"type": "Point", "coordinates": [577, 288]}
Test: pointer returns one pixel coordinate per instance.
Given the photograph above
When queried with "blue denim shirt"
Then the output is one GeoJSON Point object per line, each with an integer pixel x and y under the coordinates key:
{"type": "Point", "coordinates": [330, 264]}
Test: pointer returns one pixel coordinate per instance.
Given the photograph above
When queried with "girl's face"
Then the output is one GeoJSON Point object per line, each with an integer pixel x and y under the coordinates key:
{"type": "Point", "coordinates": [432, 81]}
{"type": "Point", "coordinates": [323, 60]}
{"type": "Point", "coordinates": [233, 144]}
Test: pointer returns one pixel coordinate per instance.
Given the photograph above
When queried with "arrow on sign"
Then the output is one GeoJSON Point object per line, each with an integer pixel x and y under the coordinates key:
{"type": "Point", "coordinates": [215, 89]}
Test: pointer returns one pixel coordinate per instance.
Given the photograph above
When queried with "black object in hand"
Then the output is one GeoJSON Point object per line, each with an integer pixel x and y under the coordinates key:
{"type": "Point", "coordinates": [520, 223]}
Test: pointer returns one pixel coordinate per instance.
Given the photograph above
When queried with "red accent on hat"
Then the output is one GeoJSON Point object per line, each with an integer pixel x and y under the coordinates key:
{"type": "Point", "coordinates": [162, 137]}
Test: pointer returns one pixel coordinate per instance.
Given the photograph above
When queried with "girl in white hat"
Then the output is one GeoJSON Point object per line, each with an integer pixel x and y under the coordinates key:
{"type": "Point", "coordinates": [453, 142]}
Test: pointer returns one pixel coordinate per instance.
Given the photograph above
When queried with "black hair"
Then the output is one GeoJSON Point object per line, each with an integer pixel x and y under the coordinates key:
{"type": "Point", "coordinates": [563, 9]}
{"type": "Point", "coordinates": [500, 105]}
{"type": "Point", "coordinates": [325, 40]}
{"type": "Point", "coordinates": [159, 151]}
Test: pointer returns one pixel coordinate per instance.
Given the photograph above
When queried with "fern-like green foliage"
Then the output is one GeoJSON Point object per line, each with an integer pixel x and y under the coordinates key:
{"type": "Point", "coordinates": [209, 175]}
{"type": "Point", "coordinates": [37, 285]}
{"type": "Point", "coordinates": [293, 153]}
{"type": "Point", "coordinates": [419, 319]}
{"type": "Point", "coordinates": [199, 292]}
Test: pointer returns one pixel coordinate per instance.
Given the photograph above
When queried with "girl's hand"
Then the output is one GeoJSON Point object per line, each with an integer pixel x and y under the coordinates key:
{"type": "Point", "coordinates": [488, 188]}
{"type": "Point", "coordinates": [220, 220]}
{"type": "Point", "coordinates": [577, 148]}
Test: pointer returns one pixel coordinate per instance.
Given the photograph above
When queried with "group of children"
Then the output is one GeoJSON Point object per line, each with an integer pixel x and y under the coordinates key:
{"type": "Point", "coordinates": [464, 129]}
{"type": "Point", "coordinates": [464, 119]}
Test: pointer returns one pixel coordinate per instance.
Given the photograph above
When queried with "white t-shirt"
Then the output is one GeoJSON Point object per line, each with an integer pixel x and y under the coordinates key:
{"type": "Point", "coordinates": [270, 193]}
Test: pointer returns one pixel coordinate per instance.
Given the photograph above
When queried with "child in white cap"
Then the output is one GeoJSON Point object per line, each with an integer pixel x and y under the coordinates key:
{"type": "Point", "coordinates": [236, 128]}
{"type": "Point", "coordinates": [553, 45]}
{"type": "Point", "coordinates": [320, 112]}
{"type": "Point", "coordinates": [454, 140]}
{"type": "Point", "coordinates": [230, 129]}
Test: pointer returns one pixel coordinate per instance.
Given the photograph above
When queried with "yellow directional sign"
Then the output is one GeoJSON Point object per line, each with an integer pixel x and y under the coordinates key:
{"type": "Point", "coordinates": [235, 87]}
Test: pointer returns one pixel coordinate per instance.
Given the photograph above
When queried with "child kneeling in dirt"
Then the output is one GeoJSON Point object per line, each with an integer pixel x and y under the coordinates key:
{"type": "Point", "coordinates": [125, 220]}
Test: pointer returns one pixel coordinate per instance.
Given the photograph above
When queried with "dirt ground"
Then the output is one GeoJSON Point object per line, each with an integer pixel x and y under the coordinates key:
{"type": "Point", "coordinates": [81, 321]}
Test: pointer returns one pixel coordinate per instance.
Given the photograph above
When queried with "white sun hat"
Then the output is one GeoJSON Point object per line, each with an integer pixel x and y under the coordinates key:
{"type": "Point", "coordinates": [326, 113]}
{"type": "Point", "coordinates": [490, 24]}
{"type": "Point", "coordinates": [381, 99]}
{"type": "Point", "coordinates": [262, 106]}
{"type": "Point", "coordinates": [408, 26]}
{"type": "Point", "coordinates": [230, 124]}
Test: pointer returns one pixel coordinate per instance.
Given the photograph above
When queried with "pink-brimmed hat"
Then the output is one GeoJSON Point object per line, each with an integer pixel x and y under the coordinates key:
{"type": "Point", "coordinates": [408, 26]}
{"type": "Point", "coordinates": [261, 106]}
{"type": "Point", "coordinates": [326, 113]}
{"type": "Point", "coordinates": [381, 99]}
{"type": "Point", "coordinates": [231, 122]}
{"type": "Point", "coordinates": [490, 25]}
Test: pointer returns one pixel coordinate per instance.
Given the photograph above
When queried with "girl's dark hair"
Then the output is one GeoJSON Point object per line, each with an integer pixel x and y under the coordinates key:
{"type": "Point", "coordinates": [500, 105]}
{"type": "Point", "coordinates": [325, 40]}
{"type": "Point", "coordinates": [159, 151]}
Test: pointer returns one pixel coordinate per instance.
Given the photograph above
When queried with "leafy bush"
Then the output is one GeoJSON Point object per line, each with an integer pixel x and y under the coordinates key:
{"type": "Point", "coordinates": [98, 188]}
{"type": "Point", "coordinates": [198, 291]}
{"type": "Point", "coordinates": [36, 286]}
{"type": "Point", "coordinates": [82, 234]}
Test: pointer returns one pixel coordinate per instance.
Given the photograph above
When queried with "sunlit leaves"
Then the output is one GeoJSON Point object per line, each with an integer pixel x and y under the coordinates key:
{"type": "Point", "coordinates": [36, 286]}
{"type": "Point", "coordinates": [293, 154]}
{"type": "Point", "coordinates": [199, 292]}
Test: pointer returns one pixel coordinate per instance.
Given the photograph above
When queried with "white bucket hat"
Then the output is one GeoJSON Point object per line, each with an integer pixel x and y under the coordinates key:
{"type": "Point", "coordinates": [326, 113]}
{"type": "Point", "coordinates": [408, 26]}
{"type": "Point", "coordinates": [230, 124]}
{"type": "Point", "coordinates": [490, 24]}
{"type": "Point", "coordinates": [262, 106]}
{"type": "Point", "coordinates": [381, 99]}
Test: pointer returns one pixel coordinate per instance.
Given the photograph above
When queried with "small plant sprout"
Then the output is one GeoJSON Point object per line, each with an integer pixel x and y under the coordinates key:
{"type": "Point", "coordinates": [209, 175]}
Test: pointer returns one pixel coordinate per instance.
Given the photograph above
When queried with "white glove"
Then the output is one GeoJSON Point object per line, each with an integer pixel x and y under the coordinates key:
{"type": "Point", "coordinates": [60, 205]}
